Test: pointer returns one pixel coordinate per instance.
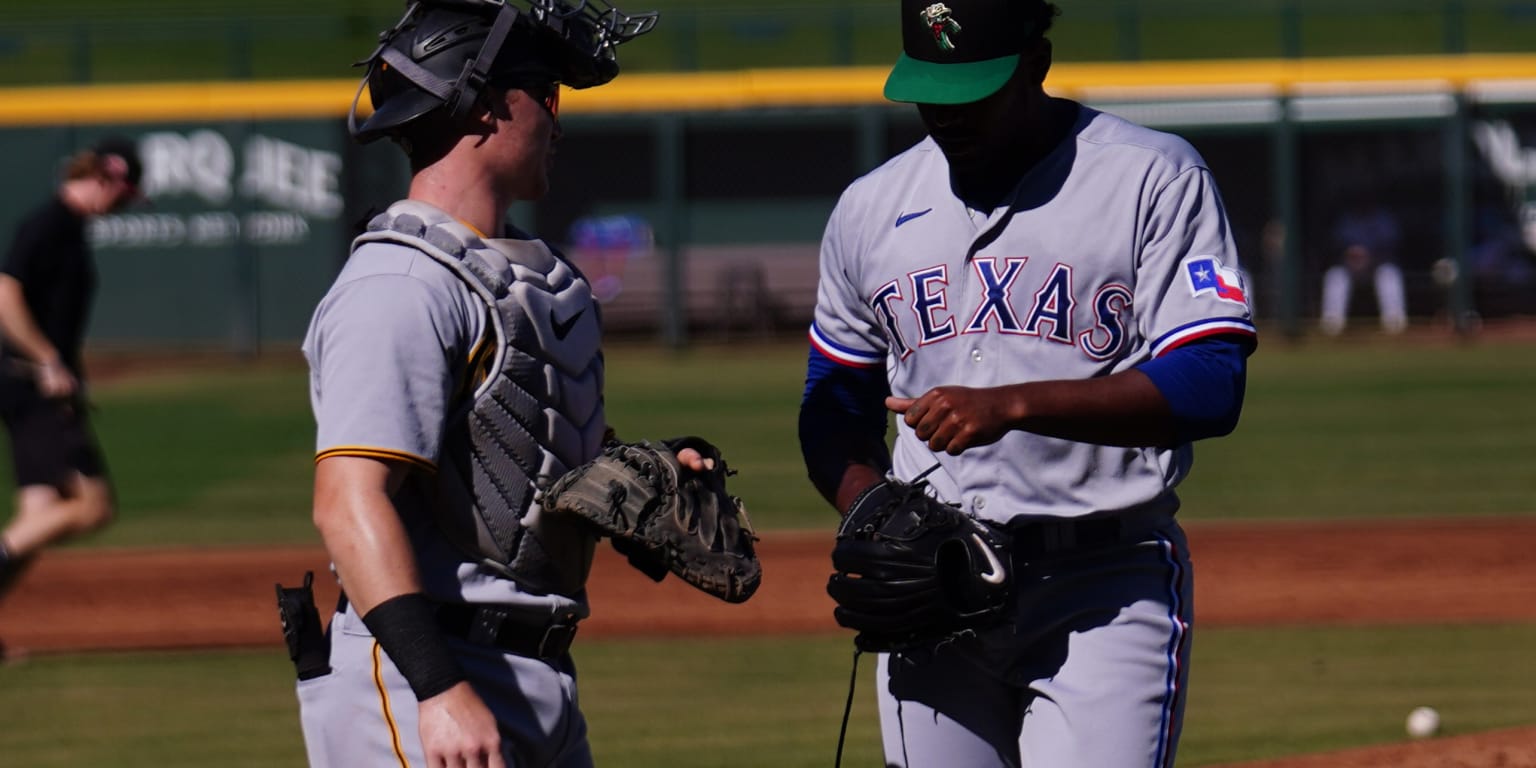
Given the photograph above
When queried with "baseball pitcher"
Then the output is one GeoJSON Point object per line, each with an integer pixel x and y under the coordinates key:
{"type": "Point", "coordinates": [1048, 299]}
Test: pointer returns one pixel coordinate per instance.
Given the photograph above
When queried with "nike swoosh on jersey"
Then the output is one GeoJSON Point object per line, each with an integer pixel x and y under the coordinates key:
{"type": "Point", "coordinates": [564, 329]}
{"type": "Point", "coordinates": [906, 217]}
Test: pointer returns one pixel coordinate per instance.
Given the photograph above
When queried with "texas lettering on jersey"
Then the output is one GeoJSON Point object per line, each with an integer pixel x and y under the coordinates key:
{"type": "Point", "coordinates": [1045, 312]}
{"type": "Point", "coordinates": [1081, 275]}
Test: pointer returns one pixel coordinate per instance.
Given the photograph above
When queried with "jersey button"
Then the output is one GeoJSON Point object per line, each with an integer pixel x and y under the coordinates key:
{"type": "Point", "coordinates": [976, 355]}
{"type": "Point", "coordinates": [979, 502]}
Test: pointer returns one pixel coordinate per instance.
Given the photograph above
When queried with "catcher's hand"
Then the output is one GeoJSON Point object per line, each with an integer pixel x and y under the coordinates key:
{"type": "Point", "coordinates": [665, 516]}
{"type": "Point", "coordinates": [912, 571]}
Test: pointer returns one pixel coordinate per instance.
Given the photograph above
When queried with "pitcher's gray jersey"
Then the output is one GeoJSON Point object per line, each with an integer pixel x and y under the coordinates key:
{"type": "Point", "coordinates": [1114, 250]}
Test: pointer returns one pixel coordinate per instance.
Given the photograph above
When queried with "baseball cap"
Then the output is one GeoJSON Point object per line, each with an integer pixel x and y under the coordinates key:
{"type": "Point", "coordinates": [959, 51]}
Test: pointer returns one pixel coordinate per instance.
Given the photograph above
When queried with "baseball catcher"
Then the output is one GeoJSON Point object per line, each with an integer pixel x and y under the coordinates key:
{"type": "Point", "coordinates": [665, 517]}
{"type": "Point", "coordinates": [912, 571]}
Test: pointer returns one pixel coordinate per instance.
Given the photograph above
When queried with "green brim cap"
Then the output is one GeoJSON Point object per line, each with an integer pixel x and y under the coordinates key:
{"type": "Point", "coordinates": [959, 51]}
{"type": "Point", "coordinates": [926, 82]}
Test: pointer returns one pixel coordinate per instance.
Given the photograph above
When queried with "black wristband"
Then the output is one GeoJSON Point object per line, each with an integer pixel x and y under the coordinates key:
{"type": "Point", "coordinates": [406, 628]}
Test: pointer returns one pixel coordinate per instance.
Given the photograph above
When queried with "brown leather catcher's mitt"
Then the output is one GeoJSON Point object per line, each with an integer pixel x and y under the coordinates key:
{"type": "Point", "coordinates": [665, 517]}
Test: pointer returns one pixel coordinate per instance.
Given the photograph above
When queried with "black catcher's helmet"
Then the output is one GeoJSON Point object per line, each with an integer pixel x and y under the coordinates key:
{"type": "Point", "coordinates": [442, 54]}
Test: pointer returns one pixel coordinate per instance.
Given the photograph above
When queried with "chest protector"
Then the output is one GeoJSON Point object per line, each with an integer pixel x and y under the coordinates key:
{"type": "Point", "coordinates": [537, 413]}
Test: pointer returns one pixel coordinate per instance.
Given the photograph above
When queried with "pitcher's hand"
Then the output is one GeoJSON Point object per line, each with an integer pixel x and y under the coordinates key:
{"type": "Point", "coordinates": [951, 419]}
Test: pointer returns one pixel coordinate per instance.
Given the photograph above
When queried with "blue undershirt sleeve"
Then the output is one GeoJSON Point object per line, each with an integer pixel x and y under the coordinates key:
{"type": "Point", "coordinates": [1203, 382]}
{"type": "Point", "coordinates": [842, 406]}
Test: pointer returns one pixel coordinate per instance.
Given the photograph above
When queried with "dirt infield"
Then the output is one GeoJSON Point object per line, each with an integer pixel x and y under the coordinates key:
{"type": "Point", "coordinates": [1507, 748]}
{"type": "Point", "coordinates": [1364, 573]}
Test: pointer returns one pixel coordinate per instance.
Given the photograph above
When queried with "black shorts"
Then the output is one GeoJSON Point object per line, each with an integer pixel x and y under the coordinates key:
{"type": "Point", "coordinates": [50, 439]}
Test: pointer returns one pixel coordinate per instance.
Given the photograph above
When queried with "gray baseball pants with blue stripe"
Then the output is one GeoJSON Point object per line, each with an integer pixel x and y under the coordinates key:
{"type": "Point", "coordinates": [1091, 674]}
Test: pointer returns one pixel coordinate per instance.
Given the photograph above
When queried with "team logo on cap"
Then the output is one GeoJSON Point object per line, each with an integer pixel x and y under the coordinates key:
{"type": "Point", "coordinates": [937, 17]}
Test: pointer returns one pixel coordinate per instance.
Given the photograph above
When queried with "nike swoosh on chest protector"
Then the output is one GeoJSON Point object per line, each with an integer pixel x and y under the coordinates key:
{"type": "Point", "coordinates": [563, 329]}
{"type": "Point", "coordinates": [906, 217]}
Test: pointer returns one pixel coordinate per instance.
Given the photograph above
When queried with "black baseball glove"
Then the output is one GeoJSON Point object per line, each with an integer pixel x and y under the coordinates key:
{"type": "Point", "coordinates": [665, 517]}
{"type": "Point", "coordinates": [912, 571]}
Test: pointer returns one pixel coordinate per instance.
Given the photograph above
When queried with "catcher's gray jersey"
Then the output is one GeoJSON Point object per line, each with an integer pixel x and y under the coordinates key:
{"type": "Point", "coordinates": [1113, 250]}
{"type": "Point", "coordinates": [395, 349]}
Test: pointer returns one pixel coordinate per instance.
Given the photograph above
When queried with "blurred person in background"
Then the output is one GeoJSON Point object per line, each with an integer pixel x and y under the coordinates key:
{"type": "Point", "coordinates": [1502, 265]}
{"type": "Point", "coordinates": [47, 283]}
{"type": "Point", "coordinates": [1366, 238]}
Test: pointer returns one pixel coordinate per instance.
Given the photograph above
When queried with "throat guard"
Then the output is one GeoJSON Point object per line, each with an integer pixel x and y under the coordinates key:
{"type": "Point", "coordinates": [537, 413]}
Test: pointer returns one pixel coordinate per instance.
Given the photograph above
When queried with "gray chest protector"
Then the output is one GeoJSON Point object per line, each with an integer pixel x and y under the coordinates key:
{"type": "Point", "coordinates": [537, 413]}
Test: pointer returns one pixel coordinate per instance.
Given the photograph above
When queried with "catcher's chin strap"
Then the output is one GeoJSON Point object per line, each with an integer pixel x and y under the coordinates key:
{"type": "Point", "coordinates": [842, 732]}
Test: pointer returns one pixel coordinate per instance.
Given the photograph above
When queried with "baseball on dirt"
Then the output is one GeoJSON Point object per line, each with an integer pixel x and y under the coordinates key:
{"type": "Point", "coordinates": [1423, 722]}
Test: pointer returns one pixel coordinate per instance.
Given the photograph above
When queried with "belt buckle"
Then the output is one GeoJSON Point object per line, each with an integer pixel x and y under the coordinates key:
{"type": "Point", "coordinates": [557, 638]}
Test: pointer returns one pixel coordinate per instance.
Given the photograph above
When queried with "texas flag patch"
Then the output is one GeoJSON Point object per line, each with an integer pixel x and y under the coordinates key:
{"type": "Point", "coordinates": [1206, 274]}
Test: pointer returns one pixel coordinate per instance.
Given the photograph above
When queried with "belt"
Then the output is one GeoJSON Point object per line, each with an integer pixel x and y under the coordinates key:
{"type": "Point", "coordinates": [1039, 538]}
{"type": "Point", "coordinates": [522, 631]}
{"type": "Point", "coordinates": [529, 632]}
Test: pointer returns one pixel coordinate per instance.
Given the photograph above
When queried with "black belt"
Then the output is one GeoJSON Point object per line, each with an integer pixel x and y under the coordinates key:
{"type": "Point", "coordinates": [1040, 538]}
{"type": "Point", "coordinates": [529, 632]}
{"type": "Point", "coordinates": [524, 631]}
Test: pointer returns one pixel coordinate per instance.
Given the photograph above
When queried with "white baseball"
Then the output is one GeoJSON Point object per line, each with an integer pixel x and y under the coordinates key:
{"type": "Point", "coordinates": [1423, 722]}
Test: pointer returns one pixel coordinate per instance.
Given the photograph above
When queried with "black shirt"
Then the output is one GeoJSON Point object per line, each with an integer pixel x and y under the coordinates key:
{"type": "Point", "coordinates": [51, 259]}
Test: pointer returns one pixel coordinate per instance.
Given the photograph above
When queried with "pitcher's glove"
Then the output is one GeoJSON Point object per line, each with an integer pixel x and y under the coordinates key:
{"type": "Point", "coordinates": [912, 571]}
{"type": "Point", "coordinates": [664, 516]}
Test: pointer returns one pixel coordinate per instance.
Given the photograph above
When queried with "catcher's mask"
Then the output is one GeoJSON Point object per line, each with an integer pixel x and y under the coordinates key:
{"type": "Point", "coordinates": [443, 53]}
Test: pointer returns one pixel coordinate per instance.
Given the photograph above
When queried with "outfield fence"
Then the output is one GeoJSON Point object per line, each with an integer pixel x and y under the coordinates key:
{"type": "Point", "coordinates": [697, 200]}
{"type": "Point", "coordinates": [95, 41]}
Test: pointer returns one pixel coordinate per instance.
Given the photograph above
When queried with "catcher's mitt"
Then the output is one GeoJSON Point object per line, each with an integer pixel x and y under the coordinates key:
{"type": "Point", "coordinates": [666, 517]}
{"type": "Point", "coordinates": [912, 571]}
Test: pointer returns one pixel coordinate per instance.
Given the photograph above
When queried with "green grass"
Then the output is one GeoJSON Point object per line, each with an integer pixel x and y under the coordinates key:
{"type": "Point", "coordinates": [756, 702]}
{"type": "Point", "coordinates": [1328, 431]}
{"type": "Point", "coordinates": [745, 399]}
{"type": "Point", "coordinates": [776, 702]}
{"type": "Point", "coordinates": [1260, 693]}
{"type": "Point", "coordinates": [220, 458]}
{"type": "Point", "coordinates": [150, 710]}
{"type": "Point", "coordinates": [1389, 430]}
{"type": "Point", "coordinates": [200, 457]}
